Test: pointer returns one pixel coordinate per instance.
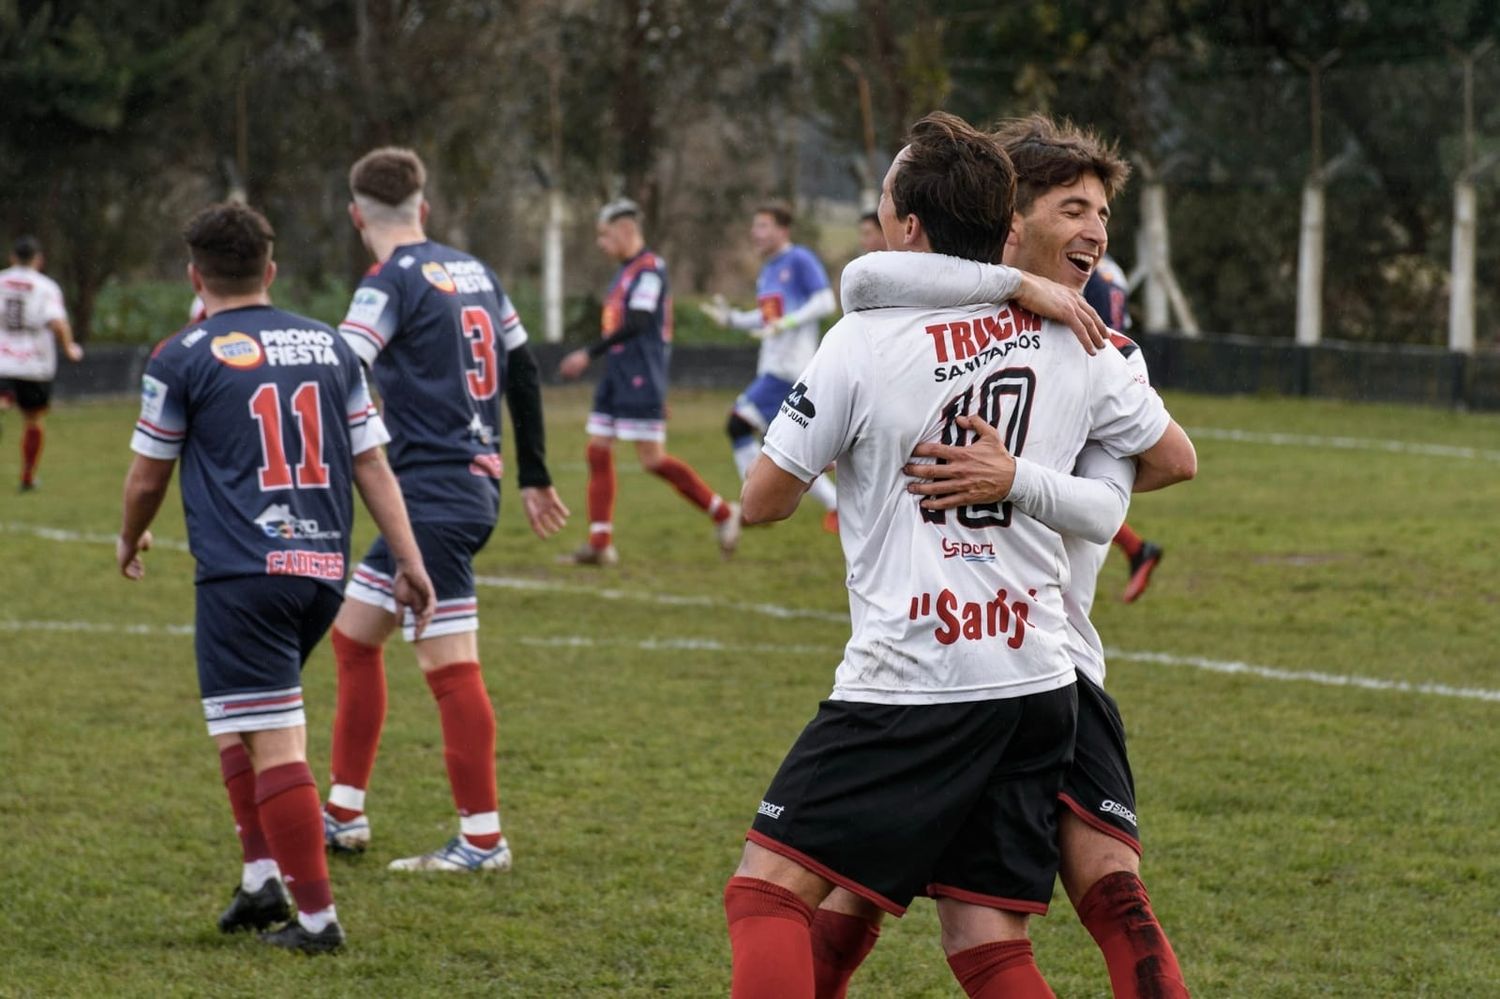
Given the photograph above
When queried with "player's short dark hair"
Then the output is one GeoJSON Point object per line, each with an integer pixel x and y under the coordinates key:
{"type": "Point", "coordinates": [779, 210]}
{"type": "Point", "coordinates": [230, 244]}
{"type": "Point", "coordinates": [26, 249]}
{"type": "Point", "coordinates": [1049, 153]}
{"type": "Point", "coordinates": [390, 175]}
{"type": "Point", "coordinates": [872, 217]}
{"type": "Point", "coordinates": [960, 183]}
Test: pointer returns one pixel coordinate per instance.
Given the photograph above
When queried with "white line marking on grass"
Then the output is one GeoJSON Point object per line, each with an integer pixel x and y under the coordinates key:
{"type": "Point", "coordinates": [664, 599]}
{"type": "Point", "coordinates": [82, 537]}
{"type": "Point", "coordinates": [93, 627]}
{"type": "Point", "coordinates": [675, 645]}
{"type": "Point", "coordinates": [1344, 443]}
{"type": "Point", "coordinates": [1300, 676]}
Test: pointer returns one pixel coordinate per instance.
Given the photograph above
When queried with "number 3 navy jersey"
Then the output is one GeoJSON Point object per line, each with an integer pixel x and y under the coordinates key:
{"type": "Point", "coordinates": [266, 409]}
{"type": "Point", "coordinates": [435, 326]}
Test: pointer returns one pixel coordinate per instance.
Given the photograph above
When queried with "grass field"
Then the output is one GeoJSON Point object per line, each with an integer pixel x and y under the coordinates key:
{"type": "Point", "coordinates": [1311, 686]}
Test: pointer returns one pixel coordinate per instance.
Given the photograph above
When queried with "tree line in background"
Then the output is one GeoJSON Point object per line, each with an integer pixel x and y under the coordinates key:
{"type": "Point", "coordinates": [118, 121]}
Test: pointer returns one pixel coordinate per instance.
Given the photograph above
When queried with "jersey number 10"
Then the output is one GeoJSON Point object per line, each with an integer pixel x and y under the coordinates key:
{"type": "Point", "coordinates": [275, 473]}
{"type": "Point", "coordinates": [1013, 419]}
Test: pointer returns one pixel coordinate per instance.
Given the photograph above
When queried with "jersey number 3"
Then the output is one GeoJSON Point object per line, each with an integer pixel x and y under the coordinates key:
{"type": "Point", "coordinates": [275, 473]}
{"type": "Point", "coordinates": [1012, 419]}
{"type": "Point", "coordinates": [479, 329]}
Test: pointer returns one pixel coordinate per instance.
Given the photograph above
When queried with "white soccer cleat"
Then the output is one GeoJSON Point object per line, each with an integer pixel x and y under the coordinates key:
{"type": "Point", "coordinates": [457, 855]}
{"type": "Point", "coordinates": [729, 530]}
{"type": "Point", "coordinates": [346, 837]}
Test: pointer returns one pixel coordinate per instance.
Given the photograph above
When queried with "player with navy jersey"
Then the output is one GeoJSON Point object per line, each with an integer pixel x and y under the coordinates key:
{"type": "Point", "coordinates": [1066, 177]}
{"type": "Point", "coordinates": [443, 344]}
{"type": "Point", "coordinates": [630, 401]}
{"type": "Point", "coordinates": [792, 296]}
{"type": "Point", "coordinates": [935, 765]}
{"type": "Point", "coordinates": [269, 414]}
{"type": "Point", "coordinates": [1107, 291]}
{"type": "Point", "coordinates": [33, 325]}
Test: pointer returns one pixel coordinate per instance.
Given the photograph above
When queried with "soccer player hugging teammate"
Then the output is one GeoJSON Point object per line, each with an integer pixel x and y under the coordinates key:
{"type": "Point", "coordinates": [1066, 178]}
{"type": "Point", "coordinates": [630, 401]}
{"type": "Point", "coordinates": [792, 295]}
{"type": "Point", "coordinates": [443, 344]}
{"type": "Point", "coordinates": [935, 765]}
{"type": "Point", "coordinates": [268, 524]}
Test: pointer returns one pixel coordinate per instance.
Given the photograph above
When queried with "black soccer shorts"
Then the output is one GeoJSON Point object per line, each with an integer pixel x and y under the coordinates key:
{"type": "Point", "coordinates": [1099, 787]}
{"type": "Point", "coordinates": [955, 800]}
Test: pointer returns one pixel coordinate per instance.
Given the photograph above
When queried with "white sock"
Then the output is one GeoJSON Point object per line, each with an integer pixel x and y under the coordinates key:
{"type": "Point", "coordinates": [822, 490]}
{"type": "Point", "coordinates": [256, 873]}
{"type": "Point", "coordinates": [483, 824]}
{"type": "Point", "coordinates": [344, 796]}
{"type": "Point", "coordinates": [745, 455]}
{"type": "Point", "coordinates": [317, 922]}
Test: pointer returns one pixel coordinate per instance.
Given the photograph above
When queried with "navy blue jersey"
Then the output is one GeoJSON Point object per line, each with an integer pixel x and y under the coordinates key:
{"type": "Point", "coordinates": [434, 326]}
{"type": "Point", "coordinates": [266, 409]}
{"type": "Point", "coordinates": [640, 286]}
{"type": "Point", "coordinates": [1107, 291]}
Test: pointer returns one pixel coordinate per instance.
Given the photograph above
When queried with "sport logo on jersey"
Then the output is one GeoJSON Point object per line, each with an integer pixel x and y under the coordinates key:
{"type": "Point", "coordinates": [237, 350]}
{"type": "Point", "coordinates": [438, 276]}
{"type": "Point", "coordinates": [277, 521]}
{"type": "Point", "coordinates": [153, 397]}
{"type": "Point", "coordinates": [797, 407]}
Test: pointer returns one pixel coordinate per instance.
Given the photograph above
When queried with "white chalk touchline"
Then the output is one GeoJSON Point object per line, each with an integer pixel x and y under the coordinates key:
{"type": "Point", "coordinates": [1344, 443]}
{"type": "Point", "coordinates": [677, 645]}
{"type": "Point", "coordinates": [83, 537]}
{"type": "Point", "coordinates": [95, 627]}
{"type": "Point", "coordinates": [665, 599]}
{"type": "Point", "coordinates": [1307, 676]}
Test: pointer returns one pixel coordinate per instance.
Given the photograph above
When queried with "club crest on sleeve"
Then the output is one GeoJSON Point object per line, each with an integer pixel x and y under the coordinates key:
{"type": "Point", "coordinates": [437, 276]}
{"type": "Point", "coordinates": [237, 350]}
{"type": "Point", "coordinates": [153, 397]}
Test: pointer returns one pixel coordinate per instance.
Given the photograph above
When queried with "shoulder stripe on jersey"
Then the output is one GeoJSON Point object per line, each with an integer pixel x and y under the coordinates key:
{"type": "Point", "coordinates": [1123, 343]}
{"type": "Point", "coordinates": [362, 330]}
{"type": "Point", "coordinates": [160, 433]}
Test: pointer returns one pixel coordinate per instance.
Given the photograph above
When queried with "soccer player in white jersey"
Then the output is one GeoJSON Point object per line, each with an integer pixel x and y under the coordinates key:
{"type": "Point", "coordinates": [934, 766]}
{"type": "Point", "coordinates": [792, 296]}
{"type": "Point", "coordinates": [1066, 177]}
{"type": "Point", "coordinates": [33, 324]}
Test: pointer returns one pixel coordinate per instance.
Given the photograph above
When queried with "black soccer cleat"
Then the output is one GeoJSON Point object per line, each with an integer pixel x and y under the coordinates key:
{"type": "Point", "coordinates": [258, 909]}
{"type": "Point", "coordinates": [1142, 564]}
{"type": "Point", "coordinates": [295, 936]}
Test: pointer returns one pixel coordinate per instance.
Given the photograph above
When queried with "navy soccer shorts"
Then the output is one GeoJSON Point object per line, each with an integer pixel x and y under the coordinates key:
{"type": "Point", "coordinates": [251, 635]}
{"type": "Point", "coordinates": [628, 404]}
{"type": "Point", "coordinates": [448, 551]}
{"type": "Point", "coordinates": [948, 800]}
{"type": "Point", "coordinates": [1099, 787]}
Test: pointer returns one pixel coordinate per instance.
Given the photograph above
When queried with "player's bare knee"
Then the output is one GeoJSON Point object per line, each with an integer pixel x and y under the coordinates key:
{"type": "Point", "coordinates": [965, 925]}
{"type": "Point", "coordinates": [1087, 854]}
{"type": "Point", "coordinates": [845, 902]}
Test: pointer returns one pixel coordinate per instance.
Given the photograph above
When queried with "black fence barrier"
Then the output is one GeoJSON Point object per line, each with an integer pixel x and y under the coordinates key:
{"type": "Point", "coordinates": [1218, 365]}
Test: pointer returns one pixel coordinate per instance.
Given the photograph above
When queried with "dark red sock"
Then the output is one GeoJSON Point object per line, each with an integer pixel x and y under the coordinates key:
{"type": "Point", "coordinates": [1129, 541]}
{"type": "Point", "coordinates": [840, 943]}
{"type": "Point", "coordinates": [1001, 970]}
{"type": "Point", "coordinates": [359, 717]}
{"type": "Point", "coordinates": [1117, 913]}
{"type": "Point", "coordinates": [770, 937]}
{"type": "Point", "coordinates": [239, 781]}
{"type": "Point", "coordinates": [290, 813]}
{"type": "Point", "coordinates": [31, 452]}
{"type": "Point", "coordinates": [468, 741]}
{"type": "Point", "coordinates": [601, 495]}
{"type": "Point", "coordinates": [691, 487]}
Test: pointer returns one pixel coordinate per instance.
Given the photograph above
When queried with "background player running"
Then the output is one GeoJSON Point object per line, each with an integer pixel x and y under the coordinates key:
{"type": "Point", "coordinates": [269, 413]}
{"type": "Point", "coordinates": [443, 343]}
{"type": "Point", "coordinates": [630, 402]}
{"type": "Point", "coordinates": [792, 296]}
{"type": "Point", "coordinates": [33, 325]}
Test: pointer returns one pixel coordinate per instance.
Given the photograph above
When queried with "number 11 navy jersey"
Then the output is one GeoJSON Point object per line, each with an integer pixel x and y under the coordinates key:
{"type": "Point", "coordinates": [266, 409]}
{"type": "Point", "coordinates": [435, 327]}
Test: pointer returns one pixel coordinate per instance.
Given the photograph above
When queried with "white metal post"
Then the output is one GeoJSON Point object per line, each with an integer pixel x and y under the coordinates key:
{"type": "Point", "coordinates": [1310, 266]}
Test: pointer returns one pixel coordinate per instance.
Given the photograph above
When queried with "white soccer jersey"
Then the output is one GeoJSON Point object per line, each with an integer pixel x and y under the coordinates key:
{"type": "Point", "coordinates": [29, 300]}
{"type": "Point", "coordinates": [966, 604]}
{"type": "Point", "coordinates": [1086, 558]}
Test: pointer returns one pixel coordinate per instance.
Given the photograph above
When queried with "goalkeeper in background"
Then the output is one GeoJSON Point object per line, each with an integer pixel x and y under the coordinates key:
{"type": "Point", "coordinates": [792, 295]}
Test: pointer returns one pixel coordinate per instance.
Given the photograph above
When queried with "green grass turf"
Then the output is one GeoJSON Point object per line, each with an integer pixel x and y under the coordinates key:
{"type": "Point", "coordinates": [1301, 839]}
